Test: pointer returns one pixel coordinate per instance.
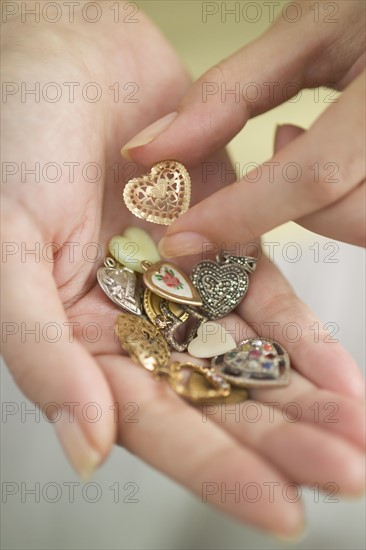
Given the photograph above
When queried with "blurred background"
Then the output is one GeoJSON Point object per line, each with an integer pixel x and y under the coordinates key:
{"type": "Point", "coordinates": [128, 505]}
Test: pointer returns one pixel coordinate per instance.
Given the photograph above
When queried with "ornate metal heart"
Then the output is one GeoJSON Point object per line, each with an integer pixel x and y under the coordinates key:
{"type": "Point", "coordinates": [143, 342]}
{"type": "Point", "coordinates": [256, 362]}
{"type": "Point", "coordinates": [121, 286]}
{"type": "Point", "coordinates": [160, 196]}
{"type": "Point", "coordinates": [221, 286]}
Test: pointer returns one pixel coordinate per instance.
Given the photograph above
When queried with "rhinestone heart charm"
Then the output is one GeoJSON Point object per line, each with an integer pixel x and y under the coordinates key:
{"type": "Point", "coordinates": [221, 286]}
{"type": "Point", "coordinates": [256, 362]}
{"type": "Point", "coordinates": [160, 196]}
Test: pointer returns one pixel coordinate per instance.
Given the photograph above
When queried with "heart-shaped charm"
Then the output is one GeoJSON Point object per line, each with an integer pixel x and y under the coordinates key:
{"type": "Point", "coordinates": [212, 339]}
{"type": "Point", "coordinates": [142, 341]}
{"type": "Point", "coordinates": [215, 386]}
{"type": "Point", "coordinates": [134, 246]}
{"type": "Point", "coordinates": [221, 286]}
{"type": "Point", "coordinates": [199, 386]}
{"type": "Point", "coordinates": [121, 286]}
{"type": "Point", "coordinates": [168, 281]}
{"type": "Point", "coordinates": [160, 196]}
{"type": "Point", "coordinates": [256, 362]}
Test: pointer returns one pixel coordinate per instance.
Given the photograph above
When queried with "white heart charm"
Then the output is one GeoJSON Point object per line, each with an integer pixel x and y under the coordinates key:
{"type": "Point", "coordinates": [210, 341]}
{"type": "Point", "coordinates": [168, 281]}
{"type": "Point", "coordinates": [133, 247]}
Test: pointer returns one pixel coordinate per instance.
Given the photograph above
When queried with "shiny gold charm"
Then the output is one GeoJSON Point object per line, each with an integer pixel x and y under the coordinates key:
{"type": "Point", "coordinates": [152, 307]}
{"type": "Point", "coordinates": [142, 341]}
{"type": "Point", "coordinates": [168, 281]}
{"type": "Point", "coordinates": [169, 317]}
{"type": "Point", "coordinates": [198, 385]}
{"type": "Point", "coordinates": [215, 386]}
{"type": "Point", "coordinates": [148, 348]}
{"type": "Point", "coordinates": [160, 196]}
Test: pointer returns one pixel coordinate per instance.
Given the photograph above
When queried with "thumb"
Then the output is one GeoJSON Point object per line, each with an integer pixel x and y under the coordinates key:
{"type": "Point", "coordinates": [256, 78]}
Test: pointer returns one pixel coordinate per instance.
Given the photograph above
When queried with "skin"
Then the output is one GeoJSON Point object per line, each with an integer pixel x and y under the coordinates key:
{"type": "Point", "coordinates": [170, 434]}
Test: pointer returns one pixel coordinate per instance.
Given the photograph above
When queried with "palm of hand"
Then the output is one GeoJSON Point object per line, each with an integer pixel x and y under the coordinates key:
{"type": "Point", "coordinates": [86, 366]}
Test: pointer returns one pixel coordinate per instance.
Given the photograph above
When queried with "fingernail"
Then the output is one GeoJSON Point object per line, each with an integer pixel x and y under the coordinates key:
{"type": "Point", "coordinates": [182, 244]}
{"type": "Point", "coordinates": [83, 457]}
{"type": "Point", "coordinates": [296, 537]}
{"type": "Point", "coordinates": [148, 134]}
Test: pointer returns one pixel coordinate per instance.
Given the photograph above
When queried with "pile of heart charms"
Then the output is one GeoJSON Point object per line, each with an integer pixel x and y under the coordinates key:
{"type": "Point", "coordinates": [165, 309]}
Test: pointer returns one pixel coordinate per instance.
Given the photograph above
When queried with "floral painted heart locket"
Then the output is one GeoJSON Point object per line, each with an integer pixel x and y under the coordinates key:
{"type": "Point", "coordinates": [168, 281]}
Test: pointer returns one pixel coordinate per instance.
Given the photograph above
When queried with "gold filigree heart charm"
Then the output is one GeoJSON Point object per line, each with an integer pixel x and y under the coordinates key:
{"type": "Point", "coordinates": [143, 342]}
{"type": "Point", "coordinates": [160, 196]}
{"type": "Point", "coordinates": [168, 281]}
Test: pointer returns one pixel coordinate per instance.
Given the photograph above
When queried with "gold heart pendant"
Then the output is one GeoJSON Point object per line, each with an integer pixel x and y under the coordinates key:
{"type": "Point", "coordinates": [160, 196]}
{"type": "Point", "coordinates": [168, 281]}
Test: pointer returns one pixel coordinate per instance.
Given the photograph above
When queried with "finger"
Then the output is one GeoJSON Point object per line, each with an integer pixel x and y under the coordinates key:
{"type": "Point", "coordinates": [50, 366]}
{"type": "Point", "coordinates": [284, 134]}
{"type": "Point", "coordinates": [258, 77]}
{"type": "Point", "coordinates": [245, 210]}
{"type": "Point", "coordinates": [302, 451]}
{"type": "Point", "coordinates": [172, 436]}
{"type": "Point", "coordinates": [301, 401]}
{"type": "Point", "coordinates": [272, 307]}
{"type": "Point", "coordinates": [345, 219]}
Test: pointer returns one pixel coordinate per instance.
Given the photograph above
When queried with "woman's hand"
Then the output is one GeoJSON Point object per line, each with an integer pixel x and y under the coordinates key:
{"type": "Point", "coordinates": [318, 176]}
{"type": "Point", "coordinates": [72, 360]}
{"type": "Point", "coordinates": [58, 219]}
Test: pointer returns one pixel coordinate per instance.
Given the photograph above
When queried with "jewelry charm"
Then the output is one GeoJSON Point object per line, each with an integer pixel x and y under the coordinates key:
{"type": "Point", "coordinates": [143, 342]}
{"type": "Point", "coordinates": [215, 385]}
{"type": "Point", "coordinates": [120, 285]}
{"type": "Point", "coordinates": [147, 347]}
{"type": "Point", "coordinates": [212, 339]}
{"type": "Point", "coordinates": [248, 262]}
{"type": "Point", "coordinates": [168, 281]}
{"type": "Point", "coordinates": [222, 284]}
{"type": "Point", "coordinates": [161, 196]}
{"type": "Point", "coordinates": [198, 385]}
{"type": "Point", "coordinates": [166, 316]}
{"type": "Point", "coordinates": [153, 303]}
{"type": "Point", "coordinates": [134, 246]}
{"type": "Point", "coordinates": [256, 362]}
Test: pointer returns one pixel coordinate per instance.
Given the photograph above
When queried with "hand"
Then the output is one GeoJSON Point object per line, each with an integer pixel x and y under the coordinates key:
{"type": "Point", "coordinates": [169, 433]}
{"type": "Point", "coordinates": [64, 213]}
{"type": "Point", "coordinates": [325, 192]}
